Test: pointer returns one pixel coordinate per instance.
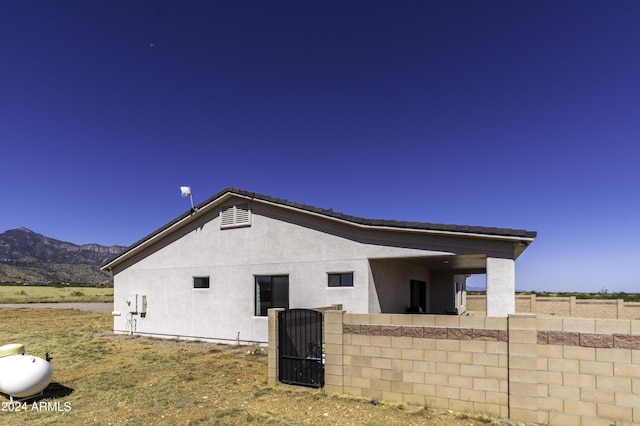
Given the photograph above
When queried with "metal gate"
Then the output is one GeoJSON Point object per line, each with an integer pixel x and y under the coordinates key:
{"type": "Point", "coordinates": [301, 357]}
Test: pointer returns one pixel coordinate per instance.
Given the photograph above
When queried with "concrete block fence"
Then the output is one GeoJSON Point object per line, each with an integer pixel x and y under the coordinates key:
{"type": "Point", "coordinates": [564, 306]}
{"type": "Point", "coordinates": [545, 370]}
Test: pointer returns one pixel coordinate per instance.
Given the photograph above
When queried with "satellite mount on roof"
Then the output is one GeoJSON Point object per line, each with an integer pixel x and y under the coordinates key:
{"type": "Point", "coordinates": [186, 192]}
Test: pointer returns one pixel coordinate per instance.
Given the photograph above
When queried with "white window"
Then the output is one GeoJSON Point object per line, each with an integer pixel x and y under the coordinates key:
{"type": "Point", "coordinates": [235, 215]}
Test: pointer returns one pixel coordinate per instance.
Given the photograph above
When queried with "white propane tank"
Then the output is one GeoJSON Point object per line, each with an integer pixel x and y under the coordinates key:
{"type": "Point", "coordinates": [22, 375]}
{"type": "Point", "coordinates": [11, 349]}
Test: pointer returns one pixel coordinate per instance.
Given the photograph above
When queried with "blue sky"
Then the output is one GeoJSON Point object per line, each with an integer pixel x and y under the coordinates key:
{"type": "Point", "coordinates": [516, 114]}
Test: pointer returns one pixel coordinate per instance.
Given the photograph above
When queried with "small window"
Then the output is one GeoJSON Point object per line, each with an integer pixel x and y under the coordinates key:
{"type": "Point", "coordinates": [200, 282]}
{"type": "Point", "coordinates": [271, 292]}
{"type": "Point", "coordinates": [341, 280]}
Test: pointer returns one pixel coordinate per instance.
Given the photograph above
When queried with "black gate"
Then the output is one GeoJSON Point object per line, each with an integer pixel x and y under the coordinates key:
{"type": "Point", "coordinates": [301, 358]}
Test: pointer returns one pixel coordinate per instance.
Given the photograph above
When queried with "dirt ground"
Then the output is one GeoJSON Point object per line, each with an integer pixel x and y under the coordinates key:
{"type": "Point", "coordinates": [293, 405]}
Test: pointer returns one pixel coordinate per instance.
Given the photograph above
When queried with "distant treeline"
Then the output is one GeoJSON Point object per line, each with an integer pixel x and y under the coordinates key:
{"type": "Point", "coordinates": [627, 297]}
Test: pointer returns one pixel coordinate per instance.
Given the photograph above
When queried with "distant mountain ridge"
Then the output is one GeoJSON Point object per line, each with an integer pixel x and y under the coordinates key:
{"type": "Point", "coordinates": [29, 257]}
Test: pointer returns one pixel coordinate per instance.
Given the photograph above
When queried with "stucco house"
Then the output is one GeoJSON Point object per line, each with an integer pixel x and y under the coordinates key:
{"type": "Point", "coordinates": [213, 272]}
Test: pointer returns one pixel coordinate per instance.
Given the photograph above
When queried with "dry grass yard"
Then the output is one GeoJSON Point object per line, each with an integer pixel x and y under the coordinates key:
{"type": "Point", "coordinates": [104, 379]}
{"type": "Point", "coordinates": [54, 294]}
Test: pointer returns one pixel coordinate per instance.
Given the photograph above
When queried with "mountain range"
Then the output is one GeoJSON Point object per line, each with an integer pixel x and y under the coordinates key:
{"type": "Point", "coordinates": [31, 258]}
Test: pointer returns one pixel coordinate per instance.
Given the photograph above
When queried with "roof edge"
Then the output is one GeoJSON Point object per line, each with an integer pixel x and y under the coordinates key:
{"type": "Point", "coordinates": [383, 224]}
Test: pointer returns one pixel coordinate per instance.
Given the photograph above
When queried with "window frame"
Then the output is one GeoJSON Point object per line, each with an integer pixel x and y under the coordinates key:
{"type": "Point", "coordinates": [196, 279]}
{"type": "Point", "coordinates": [261, 306]}
{"type": "Point", "coordinates": [343, 283]}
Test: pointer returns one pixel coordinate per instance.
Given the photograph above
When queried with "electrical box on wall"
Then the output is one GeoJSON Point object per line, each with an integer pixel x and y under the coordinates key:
{"type": "Point", "coordinates": [143, 306]}
{"type": "Point", "coordinates": [133, 303]}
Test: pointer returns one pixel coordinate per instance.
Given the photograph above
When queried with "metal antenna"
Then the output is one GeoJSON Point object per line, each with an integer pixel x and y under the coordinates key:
{"type": "Point", "coordinates": [186, 192]}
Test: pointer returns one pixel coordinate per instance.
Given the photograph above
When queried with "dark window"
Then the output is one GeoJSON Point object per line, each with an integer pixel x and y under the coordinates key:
{"type": "Point", "coordinates": [271, 292]}
{"type": "Point", "coordinates": [341, 280]}
{"type": "Point", "coordinates": [200, 282]}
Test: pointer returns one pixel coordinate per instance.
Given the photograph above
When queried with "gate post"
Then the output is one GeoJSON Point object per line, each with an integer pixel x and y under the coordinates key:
{"type": "Point", "coordinates": [333, 332]}
{"type": "Point", "coordinates": [274, 344]}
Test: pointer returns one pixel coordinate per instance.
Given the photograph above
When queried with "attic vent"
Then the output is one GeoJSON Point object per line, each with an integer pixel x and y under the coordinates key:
{"type": "Point", "coordinates": [235, 215]}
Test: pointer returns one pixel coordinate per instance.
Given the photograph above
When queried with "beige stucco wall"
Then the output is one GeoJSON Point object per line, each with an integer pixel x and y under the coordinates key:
{"type": "Point", "coordinates": [389, 284]}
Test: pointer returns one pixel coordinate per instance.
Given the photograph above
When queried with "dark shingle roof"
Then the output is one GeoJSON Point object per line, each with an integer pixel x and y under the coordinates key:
{"type": "Point", "coordinates": [381, 222]}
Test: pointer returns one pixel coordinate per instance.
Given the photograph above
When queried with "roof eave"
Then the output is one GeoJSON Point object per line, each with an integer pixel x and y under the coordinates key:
{"type": "Point", "coordinates": [522, 236]}
{"type": "Point", "coordinates": [527, 236]}
{"type": "Point", "coordinates": [176, 224]}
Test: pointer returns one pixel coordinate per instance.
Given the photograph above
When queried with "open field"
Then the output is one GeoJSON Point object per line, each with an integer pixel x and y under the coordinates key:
{"type": "Point", "coordinates": [54, 294]}
{"type": "Point", "coordinates": [104, 379]}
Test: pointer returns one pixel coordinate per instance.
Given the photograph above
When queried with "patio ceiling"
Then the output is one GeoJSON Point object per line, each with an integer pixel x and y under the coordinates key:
{"type": "Point", "coordinates": [459, 264]}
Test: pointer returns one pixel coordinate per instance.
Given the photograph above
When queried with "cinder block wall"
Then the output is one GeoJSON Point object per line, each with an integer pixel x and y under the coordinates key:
{"type": "Point", "coordinates": [478, 303]}
{"type": "Point", "coordinates": [557, 371]}
{"type": "Point", "coordinates": [559, 306]}
{"type": "Point", "coordinates": [631, 310]}
{"type": "Point", "coordinates": [588, 371]}
{"type": "Point", "coordinates": [565, 307]}
{"type": "Point", "coordinates": [452, 362]}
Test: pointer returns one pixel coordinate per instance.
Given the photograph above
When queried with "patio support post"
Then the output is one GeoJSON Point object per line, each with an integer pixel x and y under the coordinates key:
{"type": "Point", "coordinates": [501, 287]}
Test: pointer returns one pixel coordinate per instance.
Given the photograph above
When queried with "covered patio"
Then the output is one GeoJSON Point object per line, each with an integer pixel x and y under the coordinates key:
{"type": "Point", "coordinates": [438, 284]}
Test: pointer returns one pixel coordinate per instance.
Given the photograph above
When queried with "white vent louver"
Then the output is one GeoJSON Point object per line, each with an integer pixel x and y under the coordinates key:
{"type": "Point", "coordinates": [235, 215]}
{"type": "Point", "coordinates": [242, 213]}
{"type": "Point", "coordinates": [226, 216]}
